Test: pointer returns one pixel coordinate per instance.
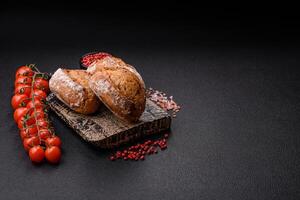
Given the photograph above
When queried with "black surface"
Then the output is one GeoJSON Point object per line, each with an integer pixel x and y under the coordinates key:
{"type": "Point", "coordinates": [236, 77]}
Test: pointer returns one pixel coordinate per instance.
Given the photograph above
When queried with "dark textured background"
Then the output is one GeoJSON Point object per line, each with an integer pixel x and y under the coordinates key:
{"type": "Point", "coordinates": [235, 73]}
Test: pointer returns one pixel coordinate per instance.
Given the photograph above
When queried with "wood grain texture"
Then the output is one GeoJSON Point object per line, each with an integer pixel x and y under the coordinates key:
{"type": "Point", "coordinates": [105, 130]}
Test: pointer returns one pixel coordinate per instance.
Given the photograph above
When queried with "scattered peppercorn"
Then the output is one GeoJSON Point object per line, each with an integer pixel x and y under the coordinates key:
{"type": "Point", "coordinates": [140, 151]}
{"type": "Point", "coordinates": [112, 158]}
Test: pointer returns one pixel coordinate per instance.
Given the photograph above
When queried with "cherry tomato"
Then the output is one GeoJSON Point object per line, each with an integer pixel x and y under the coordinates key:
{"type": "Point", "coordinates": [36, 154]}
{"type": "Point", "coordinates": [23, 89]}
{"type": "Point", "coordinates": [25, 121]}
{"type": "Point", "coordinates": [29, 131]}
{"type": "Point", "coordinates": [20, 112]}
{"type": "Point", "coordinates": [30, 142]}
{"type": "Point", "coordinates": [42, 123]}
{"type": "Point", "coordinates": [44, 134]}
{"type": "Point", "coordinates": [19, 100]}
{"type": "Point", "coordinates": [23, 134]}
{"type": "Point", "coordinates": [41, 84]}
{"type": "Point", "coordinates": [23, 80]}
{"type": "Point", "coordinates": [53, 154]}
{"type": "Point", "coordinates": [24, 71]}
{"type": "Point", "coordinates": [37, 104]}
{"type": "Point", "coordinates": [32, 130]}
{"type": "Point", "coordinates": [38, 94]}
{"type": "Point", "coordinates": [53, 141]}
{"type": "Point", "coordinates": [38, 113]}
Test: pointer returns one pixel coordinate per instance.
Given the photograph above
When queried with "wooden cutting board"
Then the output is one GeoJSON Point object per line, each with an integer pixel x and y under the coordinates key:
{"type": "Point", "coordinates": [107, 131]}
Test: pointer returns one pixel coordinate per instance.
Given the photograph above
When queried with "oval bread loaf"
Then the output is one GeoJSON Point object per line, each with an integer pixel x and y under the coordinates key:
{"type": "Point", "coordinates": [120, 87]}
{"type": "Point", "coordinates": [72, 88]}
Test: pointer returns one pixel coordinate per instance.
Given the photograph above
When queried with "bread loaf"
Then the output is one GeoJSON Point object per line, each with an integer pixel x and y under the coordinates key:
{"type": "Point", "coordinates": [72, 88]}
{"type": "Point", "coordinates": [119, 86]}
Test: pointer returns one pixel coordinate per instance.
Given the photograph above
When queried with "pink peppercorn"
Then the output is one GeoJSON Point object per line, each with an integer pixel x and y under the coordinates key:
{"type": "Point", "coordinates": [139, 151]}
{"type": "Point", "coordinates": [112, 158]}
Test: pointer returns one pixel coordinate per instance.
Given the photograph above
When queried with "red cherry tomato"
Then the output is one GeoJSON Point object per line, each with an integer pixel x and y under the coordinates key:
{"type": "Point", "coordinates": [38, 113]}
{"type": "Point", "coordinates": [38, 94]}
{"type": "Point", "coordinates": [23, 89]}
{"type": "Point", "coordinates": [19, 100]}
{"type": "Point", "coordinates": [29, 132]}
{"type": "Point", "coordinates": [23, 80]}
{"type": "Point", "coordinates": [23, 134]}
{"type": "Point", "coordinates": [41, 84]}
{"type": "Point", "coordinates": [30, 142]}
{"type": "Point", "coordinates": [37, 154]}
{"type": "Point", "coordinates": [42, 123]}
{"type": "Point", "coordinates": [37, 104]}
{"type": "Point", "coordinates": [53, 154]}
{"type": "Point", "coordinates": [25, 121]}
{"type": "Point", "coordinates": [20, 112]}
{"type": "Point", "coordinates": [44, 134]}
{"type": "Point", "coordinates": [53, 141]}
{"type": "Point", "coordinates": [24, 71]}
{"type": "Point", "coordinates": [32, 130]}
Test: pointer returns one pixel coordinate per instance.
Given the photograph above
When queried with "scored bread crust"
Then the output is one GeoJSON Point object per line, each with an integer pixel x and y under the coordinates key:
{"type": "Point", "coordinates": [121, 90]}
{"type": "Point", "coordinates": [71, 87]}
{"type": "Point", "coordinates": [109, 63]}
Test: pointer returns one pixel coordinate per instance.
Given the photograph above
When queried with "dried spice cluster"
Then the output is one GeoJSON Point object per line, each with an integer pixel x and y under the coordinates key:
{"type": "Point", "coordinates": [139, 151]}
{"type": "Point", "coordinates": [31, 115]}
{"type": "Point", "coordinates": [88, 59]}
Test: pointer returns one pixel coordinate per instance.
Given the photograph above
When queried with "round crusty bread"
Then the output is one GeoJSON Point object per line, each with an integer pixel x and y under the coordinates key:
{"type": "Point", "coordinates": [121, 90]}
{"type": "Point", "coordinates": [72, 88]}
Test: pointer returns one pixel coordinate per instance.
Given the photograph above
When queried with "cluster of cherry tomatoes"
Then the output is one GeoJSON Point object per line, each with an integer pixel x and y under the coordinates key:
{"type": "Point", "coordinates": [31, 115]}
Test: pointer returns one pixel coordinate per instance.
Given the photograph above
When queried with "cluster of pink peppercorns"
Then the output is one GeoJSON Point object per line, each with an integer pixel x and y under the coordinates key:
{"type": "Point", "coordinates": [88, 59]}
{"type": "Point", "coordinates": [140, 151]}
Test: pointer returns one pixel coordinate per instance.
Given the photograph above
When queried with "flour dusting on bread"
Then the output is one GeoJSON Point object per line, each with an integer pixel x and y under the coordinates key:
{"type": "Point", "coordinates": [102, 86]}
{"type": "Point", "coordinates": [59, 79]}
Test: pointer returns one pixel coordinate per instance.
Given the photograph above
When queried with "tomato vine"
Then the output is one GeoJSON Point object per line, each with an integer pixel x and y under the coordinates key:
{"type": "Point", "coordinates": [31, 114]}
